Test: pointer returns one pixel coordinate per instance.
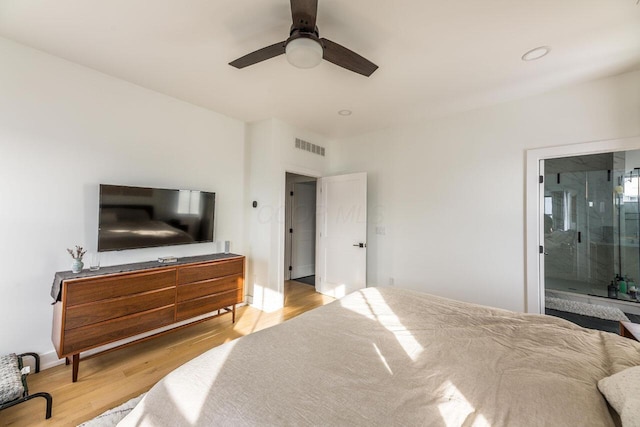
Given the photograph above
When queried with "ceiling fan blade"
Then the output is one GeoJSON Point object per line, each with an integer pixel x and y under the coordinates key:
{"type": "Point", "coordinates": [345, 58]}
{"type": "Point", "coordinates": [259, 55]}
{"type": "Point", "coordinates": [303, 13]}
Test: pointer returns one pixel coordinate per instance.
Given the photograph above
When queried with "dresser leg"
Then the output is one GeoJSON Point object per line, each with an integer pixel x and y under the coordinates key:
{"type": "Point", "coordinates": [76, 365]}
{"type": "Point", "coordinates": [233, 314]}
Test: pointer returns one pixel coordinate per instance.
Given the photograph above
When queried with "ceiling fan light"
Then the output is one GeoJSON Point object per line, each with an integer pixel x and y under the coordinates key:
{"type": "Point", "coordinates": [304, 52]}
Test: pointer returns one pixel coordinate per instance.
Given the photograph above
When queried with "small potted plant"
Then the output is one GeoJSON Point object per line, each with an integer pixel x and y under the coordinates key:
{"type": "Point", "coordinates": [77, 255]}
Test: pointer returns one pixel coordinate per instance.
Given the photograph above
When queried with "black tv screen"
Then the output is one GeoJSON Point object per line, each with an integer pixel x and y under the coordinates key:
{"type": "Point", "coordinates": [141, 217]}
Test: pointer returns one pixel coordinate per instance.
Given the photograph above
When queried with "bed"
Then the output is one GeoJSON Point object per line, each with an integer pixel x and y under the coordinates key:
{"type": "Point", "coordinates": [386, 356]}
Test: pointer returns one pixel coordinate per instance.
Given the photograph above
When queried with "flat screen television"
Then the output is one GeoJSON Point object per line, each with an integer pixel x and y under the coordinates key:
{"type": "Point", "coordinates": [142, 217]}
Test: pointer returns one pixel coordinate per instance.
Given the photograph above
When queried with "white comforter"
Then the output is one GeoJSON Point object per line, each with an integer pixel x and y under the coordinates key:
{"type": "Point", "coordinates": [384, 356]}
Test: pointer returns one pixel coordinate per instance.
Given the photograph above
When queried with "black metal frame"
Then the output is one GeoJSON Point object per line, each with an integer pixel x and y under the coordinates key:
{"type": "Point", "coordinates": [26, 396]}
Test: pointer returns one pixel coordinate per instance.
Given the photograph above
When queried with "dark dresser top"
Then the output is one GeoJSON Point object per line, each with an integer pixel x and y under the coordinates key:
{"type": "Point", "coordinates": [61, 276]}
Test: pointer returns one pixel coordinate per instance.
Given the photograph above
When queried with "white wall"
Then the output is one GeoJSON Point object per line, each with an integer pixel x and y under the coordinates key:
{"type": "Point", "coordinates": [270, 154]}
{"type": "Point", "coordinates": [450, 193]}
{"type": "Point", "coordinates": [64, 129]}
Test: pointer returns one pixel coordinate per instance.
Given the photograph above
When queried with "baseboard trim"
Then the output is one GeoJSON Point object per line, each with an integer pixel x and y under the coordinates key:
{"type": "Point", "coordinates": [49, 360]}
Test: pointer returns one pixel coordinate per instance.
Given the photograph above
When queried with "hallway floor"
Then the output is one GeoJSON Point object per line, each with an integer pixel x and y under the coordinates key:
{"type": "Point", "coordinates": [308, 280]}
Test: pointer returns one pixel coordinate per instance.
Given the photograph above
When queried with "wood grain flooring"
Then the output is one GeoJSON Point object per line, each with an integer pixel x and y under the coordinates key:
{"type": "Point", "coordinates": [110, 379]}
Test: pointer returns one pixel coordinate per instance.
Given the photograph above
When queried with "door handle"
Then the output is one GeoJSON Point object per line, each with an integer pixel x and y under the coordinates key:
{"type": "Point", "coordinates": [360, 245]}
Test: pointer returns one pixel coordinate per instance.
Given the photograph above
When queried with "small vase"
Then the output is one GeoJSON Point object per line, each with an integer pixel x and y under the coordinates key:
{"type": "Point", "coordinates": [76, 266]}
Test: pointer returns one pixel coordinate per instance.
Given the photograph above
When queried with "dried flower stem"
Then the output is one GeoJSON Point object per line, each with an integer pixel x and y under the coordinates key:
{"type": "Point", "coordinates": [78, 253]}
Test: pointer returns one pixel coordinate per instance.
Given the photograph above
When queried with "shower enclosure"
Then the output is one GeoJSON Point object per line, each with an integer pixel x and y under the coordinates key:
{"type": "Point", "coordinates": [592, 224]}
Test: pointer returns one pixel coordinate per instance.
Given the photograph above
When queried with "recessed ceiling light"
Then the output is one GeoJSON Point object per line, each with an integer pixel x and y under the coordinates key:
{"type": "Point", "coordinates": [345, 112]}
{"type": "Point", "coordinates": [536, 53]}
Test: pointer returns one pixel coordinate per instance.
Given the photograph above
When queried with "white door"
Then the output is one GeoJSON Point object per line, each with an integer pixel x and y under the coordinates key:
{"type": "Point", "coordinates": [303, 227]}
{"type": "Point", "coordinates": [341, 259]}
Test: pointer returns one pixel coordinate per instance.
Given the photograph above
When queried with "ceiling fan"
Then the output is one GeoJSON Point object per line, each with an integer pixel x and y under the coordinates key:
{"type": "Point", "coordinates": [304, 47]}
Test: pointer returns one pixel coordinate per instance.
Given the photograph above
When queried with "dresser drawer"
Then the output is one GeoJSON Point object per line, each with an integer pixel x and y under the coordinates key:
{"type": "Point", "coordinates": [207, 287]}
{"type": "Point", "coordinates": [85, 338]}
{"type": "Point", "coordinates": [96, 289]}
{"type": "Point", "coordinates": [202, 272]}
{"type": "Point", "coordinates": [90, 313]}
{"type": "Point", "coordinates": [196, 307]}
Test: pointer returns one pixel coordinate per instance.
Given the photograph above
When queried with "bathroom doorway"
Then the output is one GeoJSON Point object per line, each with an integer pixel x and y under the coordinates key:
{"type": "Point", "coordinates": [591, 225]}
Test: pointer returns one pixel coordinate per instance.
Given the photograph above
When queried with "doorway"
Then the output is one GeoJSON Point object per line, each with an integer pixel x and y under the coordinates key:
{"type": "Point", "coordinates": [334, 255]}
{"type": "Point", "coordinates": [535, 286]}
{"type": "Point", "coordinates": [300, 228]}
{"type": "Point", "coordinates": [591, 239]}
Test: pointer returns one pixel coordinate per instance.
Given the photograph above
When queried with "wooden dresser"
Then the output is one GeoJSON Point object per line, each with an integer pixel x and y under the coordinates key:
{"type": "Point", "coordinates": [104, 308]}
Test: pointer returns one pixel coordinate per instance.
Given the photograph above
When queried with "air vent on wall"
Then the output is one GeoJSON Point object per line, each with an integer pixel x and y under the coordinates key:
{"type": "Point", "coordinates": [307, 146]}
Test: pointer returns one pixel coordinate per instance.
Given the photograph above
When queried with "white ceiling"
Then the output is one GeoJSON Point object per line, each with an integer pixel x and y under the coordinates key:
{"type": "Point", "coordinates": [436, 57]}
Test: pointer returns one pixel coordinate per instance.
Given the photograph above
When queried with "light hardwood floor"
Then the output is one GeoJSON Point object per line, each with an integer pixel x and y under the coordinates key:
{"type": "Point", "coordinates": [110, 379]}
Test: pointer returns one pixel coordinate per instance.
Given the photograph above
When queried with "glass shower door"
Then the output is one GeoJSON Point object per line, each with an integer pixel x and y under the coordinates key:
{"type": "Point", "coordinates": [599, 231]}
{"type": "Point", "coordinates": [628, 210]}
{"type": "Point", "coordinates": [578, 234]}
{"type": "Point", "coordinates": [562, 195]}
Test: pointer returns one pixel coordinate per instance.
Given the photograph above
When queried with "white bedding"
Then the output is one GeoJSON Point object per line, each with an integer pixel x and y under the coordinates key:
{"type": "Point", "coordinates": [384, 356]}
